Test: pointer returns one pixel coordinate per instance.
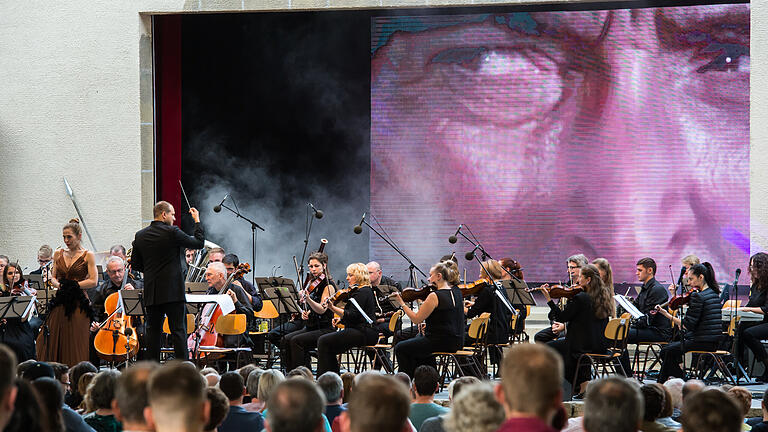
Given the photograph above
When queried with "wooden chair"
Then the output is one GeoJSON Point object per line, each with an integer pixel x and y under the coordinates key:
{"type": "Point", "coordinates": [380, 350]}
{"type": "Point", "coordinates": [701, 369]}
{"type": "Point", "coordinates": [267, 312]}
{"type": "Point", "coordinates": [166, 329]}
{"type": "Point", "coordinates": [454, 364]}
{"type": "Point", "coordinates": [603, 364]}
{"type": "Point", "coordinates": [652, 351]}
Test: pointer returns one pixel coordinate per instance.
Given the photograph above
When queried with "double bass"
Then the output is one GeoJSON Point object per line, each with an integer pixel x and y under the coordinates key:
{"type": "Point", "coordinates": [206, 334]}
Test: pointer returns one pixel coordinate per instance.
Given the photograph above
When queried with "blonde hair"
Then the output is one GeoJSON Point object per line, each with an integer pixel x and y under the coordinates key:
{"type": "Point", "coordinates": [691, 260]}
{"type": "Point", "coordinates": [475, 409]}
{"type": "Point", "coordinates": [494, 269]}
{"type": "Point", "coordinates": [605, 266]}
{"type": "Point", "coordinates": [449, 270]}
{"type": "Point", "coordinates": [74, 226]}
{"type": "Point", "coordinates": [360, 272]}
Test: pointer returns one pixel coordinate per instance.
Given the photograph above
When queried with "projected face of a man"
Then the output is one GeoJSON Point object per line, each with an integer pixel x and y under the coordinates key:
{"type": "Point", "coordinates": [610, 133]}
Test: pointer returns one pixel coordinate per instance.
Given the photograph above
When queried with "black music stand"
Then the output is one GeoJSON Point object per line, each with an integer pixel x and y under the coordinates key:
{"type": "Point", "coordinates": [133, 302]}
{"type": "Point", "coordinates": [14, 306]}
{"type": "Point", "coordinates": [195, 288]}
{"type": "Point", "coordinates": [517, 292]}
{"type": "Point", "coordinates": [285, 298]}
{"type": "Point", "coordinates": [386, 290]}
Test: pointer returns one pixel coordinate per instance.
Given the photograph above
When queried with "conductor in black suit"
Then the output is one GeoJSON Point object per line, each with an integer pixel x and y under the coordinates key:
{"type": "Point", "coordinates": [158, 251]}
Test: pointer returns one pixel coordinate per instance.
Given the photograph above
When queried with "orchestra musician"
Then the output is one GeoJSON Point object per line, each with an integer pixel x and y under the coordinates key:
{"type": "Point", "coordinates": [44, 259]}
{"type": "Point", "coordinates": [488, 301]}
{"type": "Point", "coordinates": [606, 275]}
{"type": "Point", "coordinates": [115, 273]}
{"type": "Point", "coordinates": [216, 277]}
{"type": "Point", "coordinates": [357, 330]}
{"type": "Point", "coordinates": [231, 261]}
{"type": "Point", "coordinates": [512, 268]}
{"type": "Point", "coordinates": [16, 332]}
{"type": "Point", "coordinates": [752, 333]}
{"type": "Point", "coordinates": [652, 327]}
{"type": "Point", "coordinates": [443, 312]}
{"type": "Point", "coordinates": [701, 326]}
{"type": "Point", "coordinates": [65, 336]}
{"type": "Point", "coordinates": [586, 315]}
{"type": "Point", "coordinates": [157, 253]}
{"type": "Point", "coordinates": [574, 263]}
{"type": "Point", "coordinates": [316, 320]}
{"type": "Point", "coordinates": [385, 307]}
{"type": "Point", "coordinates": [119, 251]}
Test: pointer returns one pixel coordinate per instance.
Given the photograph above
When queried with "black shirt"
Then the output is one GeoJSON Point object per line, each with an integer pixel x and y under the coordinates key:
{"type": "Point", "coordinates": [446, 322]}
{"type": "Point", "coordinates": [653, 293]}
{"type": "Point", "coordinates": [99, 295]}
{"type": "Point", "coordinates": [352, 317]}
{"type": "Point", "coordinates": [315, 320]}
{"type": "Point", "coordinates": [488, 301]}
{"type": "Point", "coordinates": [758, 298]}
{"type": "Point", "coordinates": [703, 321]}
{"type": "Point", "coordinates": [586, 333]}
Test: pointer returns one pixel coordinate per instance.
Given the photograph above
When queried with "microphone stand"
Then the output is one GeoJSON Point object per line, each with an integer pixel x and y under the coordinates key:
{"type": "Point", "coordinates": [307, 232]}
{"type": "Point", "coordinates": [486, 256]}
{"type": "Point", "coordinates": [412, 268]}
{"type": "Point", "coordinates": [254, 225]}
{"type": "Point", "coordinates": [499, 293]}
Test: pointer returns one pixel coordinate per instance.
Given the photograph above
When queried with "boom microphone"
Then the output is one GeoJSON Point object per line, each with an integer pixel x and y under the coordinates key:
{"type": "Point", "coordinates": [738, 273]}
{"type": "Point", "coordinates": [217, 208]}
{"type": "Point", "coordinates": [469, 256]}
{"type": "Point", "coordinates": [452, 239]}
{"type": "Point", "coordinates": [318, 213]}
{"type": "Point", "coordinates": [359, 227]}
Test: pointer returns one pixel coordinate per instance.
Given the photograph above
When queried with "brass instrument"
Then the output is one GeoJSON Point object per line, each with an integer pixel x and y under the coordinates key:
{"type": "Point", "coordinates": [196, 271]}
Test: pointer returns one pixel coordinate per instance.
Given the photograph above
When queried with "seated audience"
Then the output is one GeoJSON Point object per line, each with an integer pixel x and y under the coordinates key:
{"type": "Point", "coordinates": [653, 400]}
{"type": "Point", "coordinates": [219, 408]}
{"type": "Point", "coordinates": [665, 418]}
{"type": "Point", "coordinates": [28, 414]}
{"type": "Point", "coordinates": [252, 387]}
{"type": "Point", "coordinates": [381, 404]}
{"type": "Point", "coordinates": [295, 405]}
{"type": "Point", "coordinates": [76, 393]}
{"type": "Point", "coordinates": [268, 381]}
{"type": "Point", "coordinates": [244, 372]}
{"type": "Point", "coordinates": [73, 422]}
{"type": "Point", "coordinates": [86, 406]}
{"type": "Point", "coordinates": [711, 411]}
{"type": "Point", "coordinates": [333, 389]}
{"type": "Point", "coordinates": [131, 396]}
{"type": "Point", "coordinates": [211, 379]}
{"type": "Point", "coordinates": [475, 410]}
{"type": "Point", "coordinates": [436, 424]}
{"type": "Point", "coordinates": [7, 388]}
{"type": "Point", "coordinates": [101, 392]}
{"type": "Point", "coordinates": [348, 378]}
{"type": "Point", "coordinates": [743, 399]}
{"type": "Point", "coordinates": [52, 398]}
{"type": "Point", "coordinates": [763, 425]}
{"type": "Point", "coordinates": [530, 389]}
{"type": "Point", "coordinates": [177, 400]}
{"type": "Point", "coordinates": [238, 419]}
{"type": "Point", "coordinates": [301, 371]}
{"type": "Point", "coordinates": [675, 388]}
{"type": "Point", "coordinates": [426, 382]}
{"type": "Point", "coordinates": [612, 405]}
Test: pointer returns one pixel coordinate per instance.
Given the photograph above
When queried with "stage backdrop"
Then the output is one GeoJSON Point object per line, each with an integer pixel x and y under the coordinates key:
{"type": "Point", "coordinates": [618, 133]}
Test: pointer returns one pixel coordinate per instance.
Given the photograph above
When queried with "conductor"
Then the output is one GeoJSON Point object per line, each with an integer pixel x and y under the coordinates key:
{"type": "Point", "coordinates": [158, 251]}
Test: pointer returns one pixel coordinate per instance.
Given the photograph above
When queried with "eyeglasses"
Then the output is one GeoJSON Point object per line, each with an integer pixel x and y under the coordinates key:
{"type": "Point", "coordinates": [43, 261]}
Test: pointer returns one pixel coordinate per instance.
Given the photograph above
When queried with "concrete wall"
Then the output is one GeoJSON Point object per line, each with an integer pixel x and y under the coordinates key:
{"type": "Point", "coordinates": [77, 103]}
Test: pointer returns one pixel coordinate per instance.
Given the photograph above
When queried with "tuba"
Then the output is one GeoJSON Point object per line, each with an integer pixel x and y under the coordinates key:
{"type": "Point", "coordinates": [196, 271]}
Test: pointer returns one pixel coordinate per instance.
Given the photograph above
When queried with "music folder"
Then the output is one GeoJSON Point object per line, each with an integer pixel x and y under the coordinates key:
{"type": "Point", "coordinates": [628, 306]}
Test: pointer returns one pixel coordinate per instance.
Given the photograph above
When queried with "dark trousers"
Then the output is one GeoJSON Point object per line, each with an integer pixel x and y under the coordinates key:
{"type": "Point", "coordinates": [296, 346]}
{"type": "Point", "coordinates": [177, 323]}
{"type": "Point", "coordinates": [569, 362]}
{"type": "Point", "coordinates": [333, 344]}
{"type": "Point", "coordinates": [405, 334]}
{"type": "Point", "coordinates": [545, 335]}
{"type": "Point", "coordinates": [275, 336]}
{"type": "Point", "coordinates": [417, 351]}
{"type": "Point", "coordinates": [750, 336]}
{"type": "Point", "coordinates": [636, 335]}
{"type": "Point", "coordinates": [672, 355]}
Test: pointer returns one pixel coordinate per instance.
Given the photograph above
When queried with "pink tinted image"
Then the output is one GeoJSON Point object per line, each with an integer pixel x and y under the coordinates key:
{"type": "Point", "coordinates": [618, 134]}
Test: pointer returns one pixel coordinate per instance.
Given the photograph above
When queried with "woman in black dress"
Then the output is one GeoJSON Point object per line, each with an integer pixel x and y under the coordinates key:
{"type": "Point", "coordinates": [16, 332]}
{"type": "Point", "coordinates": [443, 312]}
{"type": "Point", "coordinates": [752, 333]}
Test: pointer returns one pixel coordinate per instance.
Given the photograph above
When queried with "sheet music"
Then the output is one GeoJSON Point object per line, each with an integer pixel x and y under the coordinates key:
{"type": "Point", "coordinates": [30, 308]}
{"type": "Point", "coordinates": [223, 300]}
{"type": "Point", "coordinates": [367, 318]}
{"type": "Point", "coordinates": [629, 307]}
{"type": "Point", "coordinates": [503, 299]}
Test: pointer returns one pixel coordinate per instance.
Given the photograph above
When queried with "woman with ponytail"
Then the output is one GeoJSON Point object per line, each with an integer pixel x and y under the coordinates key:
{"type": "Point", "coordinates": [702, 325]}
{"type": "Point", "coordinates": [65, 336]}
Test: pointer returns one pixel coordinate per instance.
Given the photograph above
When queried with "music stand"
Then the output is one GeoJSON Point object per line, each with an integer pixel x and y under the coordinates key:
{"type": "Point", "coordinates": [281, 291]}
{"type": "Point", "coordinates": [195, 288]}
{"type": "Point", "coordinates": [386, 290]}
{"type": "Point", "coordinates": [133, 302]}
{"type": "Point", "coordinates": [16, 307]}
{"type": "Point", "coordinates": [517, 292]}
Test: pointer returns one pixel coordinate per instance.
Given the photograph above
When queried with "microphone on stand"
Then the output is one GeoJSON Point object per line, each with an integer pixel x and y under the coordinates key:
{"type": "Point", "coordinates": [359, 227]}
{"type": "Point", "coordinates": [217, 208]}
{"type": "Point", "coordinates": [452, 239]}
{"type": "Point", "coordinates": [469, 256]}
{"type": "Point", "coordinates": [318, 213]}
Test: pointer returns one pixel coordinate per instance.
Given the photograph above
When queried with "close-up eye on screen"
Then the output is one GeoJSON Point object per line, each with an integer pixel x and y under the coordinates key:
{"type": "Point", "coordinates": [619, 133]}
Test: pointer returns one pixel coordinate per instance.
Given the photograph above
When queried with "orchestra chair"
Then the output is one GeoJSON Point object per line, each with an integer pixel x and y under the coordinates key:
{"type": "Point", "coordinates": [452, 365]}
{"type": "Point", "coordinates": [380, 350]}
{"type": "Point", "coordinates": [604, 364]}
{"type": "Point", "coordinates": [499, 348]}
{"type": "Point", "coordinates": [702, 369]}
{"type": "Point", "coordinates": [166, 330]}
{"type": "Point", "coordinates": [649, 350]}
{"type": "Point", "coordinates": [267, 312]}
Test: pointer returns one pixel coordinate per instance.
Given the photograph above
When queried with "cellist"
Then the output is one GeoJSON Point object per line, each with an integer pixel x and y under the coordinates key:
{"type": "Point", "coordinates": [216, 276]}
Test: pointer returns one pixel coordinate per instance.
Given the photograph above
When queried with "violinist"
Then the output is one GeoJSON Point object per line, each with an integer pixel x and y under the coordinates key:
{"type": "Point", "coordinates": [16, 332]}
{"type": "Point", "coordinates": [586, 315]}
{"type": "Point", "coordinates": [359, 309]}
{"type": "Point", "coordinates": [752, 333]}
{"type": "Point", "coordinates": [512, 268]}
{"type": "Point", "coordinates": [488, 301]}
{"type": "Point", "coordinates": [702, 323]}
{"type": "Point", "coordinates": [443, 313]}
{"type": "Point", "coordinates": [115, 273]}
{"type": "Point", "coordinates": [316, 319]}
{"type": "Point", "coordinates": [574, 263]}
{"type": "Point", "coordinates": [385, 308]}
{"type": "Point", "coordinates": [216, 276]}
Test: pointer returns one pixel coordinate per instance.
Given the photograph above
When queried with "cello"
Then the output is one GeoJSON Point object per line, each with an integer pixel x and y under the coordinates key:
{"type": "Point", "coordinates": [206, 334]}
{"type": "Point", "coordinates": [116, 339]}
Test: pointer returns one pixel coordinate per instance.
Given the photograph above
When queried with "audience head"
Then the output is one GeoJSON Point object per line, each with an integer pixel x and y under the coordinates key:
{"type": "Point", "coordinates": [712, 411]}
{"type": "Point", "coordinates": [29, 413]}
{"type": "Point", "coordinates": [426, 380]}
{"type": "Point", "coordinates": [332, 387]}
{"type": "Point", "coordinates": [653, 400]}
{"type": "Point", "coordinates": [52, 397]}
{"type": "Point", "coordinates": [475, 409]}
{"type": "Point", "coordinates": [219, 408]}
{"type": "Point", "coordinates": [613, 405]}
{"type": "Point", "coordinates": [252, 383]}
{"type": "Point", "coordinates": [8, 388]}
{"type": "Point", "coordinates": [301, 372]}
{"type": "Point", "coordinates": [531, 376]}
{"type": "Point", "coordinates": [102, 389]}
{"type": "Point", "coordinates": [246, 370]}
{"type": "Point", "coordinates": [691, 387]}
{"type": "Point", "coordinates": [77, 371]}
{"type": "Point", "coordinates": [131, 396]}
{"type": "Point", "coordinates": [669, 405]}
{"type": "Point", "coordinates": [268, 381]}
{"type": "Point", "coordinates": [296, 405]}
{"type": "Point", "coordinates": [675, 388]}
{"type": "Point", "coordinates": [211, 379]}
{"type": "Point", "coordinates": [455, 387]}
{"type": "Point", "coordinates": [381, 404]}
{"type": "Point", "coordinates": [231, 383]}
{"type": "Point", "coordinates": [38, 370]}
{"type": "Point", "coordinates": [177, 398]}
{"type": "Point", "coordinates": [742, 397]}
{"type": "Point", "coordinates": [23, 366]}
{"type": "Point", "coordinates": [83, 383]}
{"type": "Point", "coordinates": [400, 376]}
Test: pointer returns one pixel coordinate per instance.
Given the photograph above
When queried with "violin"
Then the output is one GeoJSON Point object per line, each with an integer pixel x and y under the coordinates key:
{"type": "Point", "coordinates": [473, 288]}
{"type": "Point", "coordinates": [560, 291]}
{"type": "Point", "coordinates": [345, 294]}
{"type": "Point", "coordinates": [677, 301]}
{"type": "Point", "coordinates": [412, 294]}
